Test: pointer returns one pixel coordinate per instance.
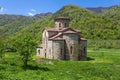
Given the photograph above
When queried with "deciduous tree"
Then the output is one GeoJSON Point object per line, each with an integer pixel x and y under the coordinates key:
{"type": "Point", "coordinates": [25, 46]}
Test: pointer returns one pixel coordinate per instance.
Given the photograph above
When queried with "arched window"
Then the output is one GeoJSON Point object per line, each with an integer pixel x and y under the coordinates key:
{"type": "Point", "coordinates": [45, 54]}
{"type": "Point", "coordinates": [39, 51]}
{"type": "Point", "coordinates": [65, 25]}
{"type": "Point", "coordinates": [59, 24]}
{"type": "Point", "coordinates": [71, 49]}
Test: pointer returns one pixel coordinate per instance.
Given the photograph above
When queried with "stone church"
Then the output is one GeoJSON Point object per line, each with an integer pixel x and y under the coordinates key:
{"type": "Point", "coordinates": [62, 42]}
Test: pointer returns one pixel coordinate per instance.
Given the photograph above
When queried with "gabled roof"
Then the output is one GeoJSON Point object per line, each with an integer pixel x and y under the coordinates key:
{"type": "Point", "coordinates": [61, 31]}
{"type": "Point", "coordinates": [57, 37]}
{"type": "Point", "coordinates": [70, 30]}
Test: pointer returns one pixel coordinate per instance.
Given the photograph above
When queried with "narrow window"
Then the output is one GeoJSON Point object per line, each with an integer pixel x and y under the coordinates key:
{"type": "Point", "coordinates": [71, 49]}
{"type": "Point", "coordinates": [45, 55]}
{"type": "Point", "coordinates": [39, 52]}
{"type": "Point", "coordinates": [59, 24]}
{"type": "Point", "coordinates": [65, 25]}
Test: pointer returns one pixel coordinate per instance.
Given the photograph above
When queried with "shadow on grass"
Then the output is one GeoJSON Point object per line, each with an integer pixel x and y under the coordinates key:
{"type": "Point", "coordinates": [30, 67]}
{"type": "Point", "coordinates": [89, 59]}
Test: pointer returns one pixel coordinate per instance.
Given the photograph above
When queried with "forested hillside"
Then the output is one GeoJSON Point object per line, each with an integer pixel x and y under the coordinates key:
{"type": "Point", "coordinates": [105, 25]}
{"type": "Point", "coordinates": [98, 9]}
{"type": "Point", "coordinates": [112, 12]}
{"type": "Point", "coordinates": [11, 24]}
{"type": "Point", "coordinates": [92, 25]}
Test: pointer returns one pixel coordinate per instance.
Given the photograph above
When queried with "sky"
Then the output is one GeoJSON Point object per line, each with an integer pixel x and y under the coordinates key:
{"type": "Point", "coordinates": [32, 7]}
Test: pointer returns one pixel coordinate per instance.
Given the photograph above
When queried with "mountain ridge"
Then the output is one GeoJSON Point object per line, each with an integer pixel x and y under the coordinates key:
{"type": "Point", "coordinates": [93, 26]}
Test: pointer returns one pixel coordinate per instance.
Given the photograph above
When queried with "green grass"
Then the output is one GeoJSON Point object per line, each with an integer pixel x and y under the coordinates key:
{"type": "Point", "coordinates": [102, 64]}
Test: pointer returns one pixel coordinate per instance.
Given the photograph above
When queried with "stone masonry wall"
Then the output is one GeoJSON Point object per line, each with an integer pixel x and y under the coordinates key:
{"type": "Point", "coordinates": [58, 49]}
{"type": "Point", "coordinates": [83, 50]}
{"type": "Point", "coordinates": [49, 50]}
{"type": "Point", "coordinates": [71, 48]}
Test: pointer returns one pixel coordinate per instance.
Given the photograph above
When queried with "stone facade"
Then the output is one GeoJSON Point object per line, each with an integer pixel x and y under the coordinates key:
{"type": "Point", "coordinates": [62, 42]}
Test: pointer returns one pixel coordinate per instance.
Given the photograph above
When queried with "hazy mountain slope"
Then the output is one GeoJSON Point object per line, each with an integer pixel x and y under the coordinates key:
{"type": "Point", "coordinates": [42, 15]}
{"type": "Point", "coordinates": [98, 9]}
{"type": "Point", "coordinates": [8, 19]}
{"type": "Point", "coordinates": [11, 24]}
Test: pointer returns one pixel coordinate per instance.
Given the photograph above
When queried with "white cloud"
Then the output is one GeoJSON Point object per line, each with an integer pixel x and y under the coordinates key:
{"type": "Point", "coordinates": [30, 14]}
{"type": "Point", "coordinates": [2, 9]}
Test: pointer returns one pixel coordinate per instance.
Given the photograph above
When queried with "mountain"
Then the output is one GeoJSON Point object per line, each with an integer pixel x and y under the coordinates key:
{"type": "Point", "coordinates": [11, 24]}
{"type": "Point", "coordinates": [7, 19]}
{"type": "Point", "coordinates": [73, 11]}
{"type": "Point", "coordinates": [42, 15]}
{"type": "Point", "coordinates": [92, 25]}
{"type": "Point", "coordinates": [113, 12]}
{"type": "Point", "coordinates": [98, 9]}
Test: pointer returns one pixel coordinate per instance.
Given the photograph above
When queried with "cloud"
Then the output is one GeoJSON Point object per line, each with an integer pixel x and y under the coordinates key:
{"type": "Point", "coordinates": [31, 14]}
{"type": "Point", "coordinates": [2, 9]}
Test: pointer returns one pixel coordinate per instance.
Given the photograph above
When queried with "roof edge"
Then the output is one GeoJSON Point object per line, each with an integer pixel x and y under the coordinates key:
{"type": "Point", "coordinates": [62, 18]}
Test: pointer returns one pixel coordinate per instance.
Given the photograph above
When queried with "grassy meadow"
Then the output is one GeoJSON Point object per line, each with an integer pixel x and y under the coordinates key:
{"type": "Point", "coordinates": [103, 64]}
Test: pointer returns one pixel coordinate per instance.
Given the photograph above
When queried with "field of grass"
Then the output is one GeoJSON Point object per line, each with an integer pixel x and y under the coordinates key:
{"type": "Point", "coordinates": [102, 64]}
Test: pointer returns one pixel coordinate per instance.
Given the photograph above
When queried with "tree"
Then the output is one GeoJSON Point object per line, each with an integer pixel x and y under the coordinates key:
{"type": "Point", "coordinates": [25, 46]}
{"type": "Point", "coordinates": [2, 48]}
